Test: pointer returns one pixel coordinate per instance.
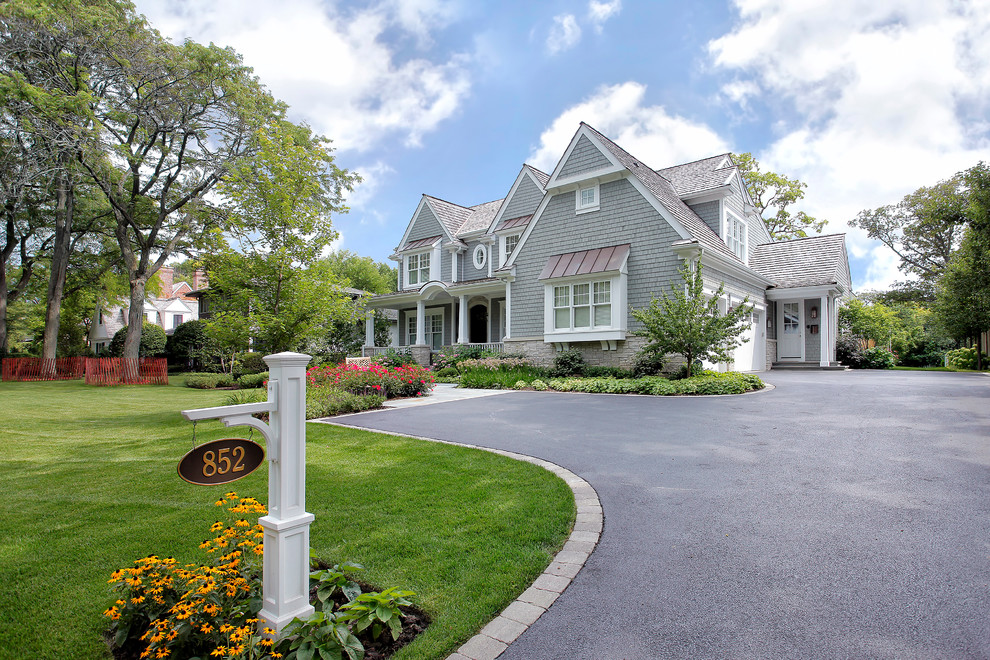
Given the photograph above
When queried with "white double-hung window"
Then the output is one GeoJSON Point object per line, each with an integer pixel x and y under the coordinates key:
{"type": "Point", "coordinates": [582, 306]}
{"type": "Point", "coordinates": [736, 235]}
{"type": "Point", "coordinates": [418, 269]}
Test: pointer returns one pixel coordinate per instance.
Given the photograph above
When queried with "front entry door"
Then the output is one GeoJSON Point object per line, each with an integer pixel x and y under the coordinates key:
{"type": "Point", "coordinates": [790, 343]}
{"type": "Point", "coordinates": [478, 332]}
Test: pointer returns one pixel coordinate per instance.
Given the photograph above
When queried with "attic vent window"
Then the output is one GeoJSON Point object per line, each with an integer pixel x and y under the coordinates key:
{"type": "Point", "coordinates": [480, 257]}
{"type": "Point", "coordinates": [587, 199]}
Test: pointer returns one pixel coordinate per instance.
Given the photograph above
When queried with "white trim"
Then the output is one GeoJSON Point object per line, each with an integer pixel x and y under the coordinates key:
{"type": "Point", "coordinates": [579, 206]}
{"type": "Point", "coordinates": [780, 329]}
{"type": "Point", "coordinates": [428, 312]}
{"type": "Point", "coordinates": [730, 216]}
{"type": "Point", "coordinates": [512, 191]}
{"type": "Point", "coordinates": [479, 257]}
{"type": "Point", "coordinates": [505, 253]}
{"type": "Point", "coordinates": [555, 177]}
{"type": "Point", "coordinates": [618, 283]}
{"type": "Point", "coordinates": [708, 195]}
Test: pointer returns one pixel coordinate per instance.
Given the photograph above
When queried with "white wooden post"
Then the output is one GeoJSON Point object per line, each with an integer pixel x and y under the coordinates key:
{"type": "Point", "coordinates": [285, 572]}
{"type": "Point", "coordinates": [286, 567]}
{"type": "Point", "coordinates": [420, 323]}
{"type": "Point", "coordinates": [369, 329]}
{"type": "Point", "coordinates": [462, 320]}
{"type": "Point", "coordinates": [824, 328]}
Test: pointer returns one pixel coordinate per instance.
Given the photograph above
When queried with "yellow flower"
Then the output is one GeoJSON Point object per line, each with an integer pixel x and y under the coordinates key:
{"type": "Point", "coordinates": [219, 651]}
{"type": "Point", "coordinates": [219, 502]}
{"type": "Point", "coordinates": [206, 628]}
{"type": "Point", "coordinates": [162, 653]}
{"type": "Point", "coordinates": [236, 650]}
{"type": "Point", "coordinates": [112, 612]}
{"type": "Point", "coordinates": [216, 527]}
{"type": "Point", "coordinates": [225, 628]}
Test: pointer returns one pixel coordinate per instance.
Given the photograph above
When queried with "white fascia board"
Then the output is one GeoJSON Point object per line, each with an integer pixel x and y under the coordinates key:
{"type": "Point", "coordinates": [660, 208]}
{"type": "Point", "coordinates": [412, 221]}
{"type": "Point", "coordinates": [602, 175]}
{"type": "Point", "coordinates": [526, 232]}
{"type": "Point", "coordinates": [716, 260]}
{"type": "Point", "coordinates": [799, 292]}
{"type": "Point", "coordinates": [476, 287]}
{"type": "Point", "coordinates": [512, 191]}
{"type": "Point", "coordinates": [582, 130]}
{"type": "Point", "coordinates": [710, 195]}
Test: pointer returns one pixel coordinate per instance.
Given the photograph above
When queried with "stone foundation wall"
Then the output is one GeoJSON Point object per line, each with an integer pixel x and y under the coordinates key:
{"type": "Point", "coordinates": [771, 353]}
{"type": "Point", "coordinates": [420, 353]}
{"type": "Point", "coordinates": [542, 353]}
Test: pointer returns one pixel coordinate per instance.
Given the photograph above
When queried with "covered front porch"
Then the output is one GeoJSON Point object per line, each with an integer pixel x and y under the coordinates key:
{"type": "Point", "coordinates": [805, 325]}
{"type": "Point", "coordinates": [441, 314]}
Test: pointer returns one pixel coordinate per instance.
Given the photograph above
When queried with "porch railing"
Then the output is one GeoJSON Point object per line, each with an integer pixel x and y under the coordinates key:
{"type": "Point", "coordinates": [372, 351]}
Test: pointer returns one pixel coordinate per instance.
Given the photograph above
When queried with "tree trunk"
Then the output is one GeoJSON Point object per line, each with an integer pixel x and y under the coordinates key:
{"type": "Point", "coordinates": [3, 312]}
{"type": "Point", "coordinates": [60, 263]}
{"type": "Point", "coordinates": [135, 324]}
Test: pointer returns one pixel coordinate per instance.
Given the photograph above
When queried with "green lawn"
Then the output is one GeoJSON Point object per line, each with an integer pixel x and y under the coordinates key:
{"type": "Point", "coordinates": [89, 484]}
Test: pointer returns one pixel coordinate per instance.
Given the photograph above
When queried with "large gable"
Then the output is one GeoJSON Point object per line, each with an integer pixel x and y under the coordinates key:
{"type": "Point", "coordinates": [811, 261]}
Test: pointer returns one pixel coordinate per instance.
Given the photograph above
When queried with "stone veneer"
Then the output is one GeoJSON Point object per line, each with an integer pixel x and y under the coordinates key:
{"type": "Point", "coordinates": [542, 353]}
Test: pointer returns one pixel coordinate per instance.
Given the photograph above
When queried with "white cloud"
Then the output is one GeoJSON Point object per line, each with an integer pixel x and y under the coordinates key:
{"type": "Point", "coordinates": [646, 131]}
{"type": "Point", "coordinates": [337, 70]}
{"type": "Point", "coordinates": [599, 12]}
{"type": "Point", "coordinates": [565, 33]}
{"type": "Point", "coordinates": [879, 97]}
{"type": "Point", "coordinates": [372, 177]}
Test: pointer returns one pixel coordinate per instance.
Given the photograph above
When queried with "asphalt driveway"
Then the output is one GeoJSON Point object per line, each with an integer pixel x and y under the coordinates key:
{"type": "Point", "coordinates": [841, 515]}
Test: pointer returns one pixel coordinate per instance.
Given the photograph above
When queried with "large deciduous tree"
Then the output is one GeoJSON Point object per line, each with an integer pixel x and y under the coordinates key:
{"type": "Point", "coordinates": [689, 322]}
{"type": "Point", "coordinates": [923, 229]}
{"type": "Point", "coordinates": [773, 194]}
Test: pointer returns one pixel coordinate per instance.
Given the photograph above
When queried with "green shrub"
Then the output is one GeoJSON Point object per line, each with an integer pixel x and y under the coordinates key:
{"type": "Point", "coordinates": [250, 363]}
{"type": "Point", "coordinates": [648, 363]}
{"type": "Point", "coordinates": [520, 385]}
{"type": "Point", "coordinates": [849, 351]}
{"type": "Point", "coordinates": [708, 383]}
{"type": "Point", "coordinates": [962, 358]}
{"type": "Point", "coordinates": [327, 401]}
{"type": "Point", "coordinates": [245, 396]}
{"type": "Point", "coordinates": [185, 345]}
{"type": "Point", "coordinates": [503, 378]}
{"type": "Point", "coordinates": [209, 381]}
{"type": "Point", "coordinates": [493, 363]}
{"type": "Point", "coordinates": [878, 358]}
{"type": "Point", "coordinates": [568, 363]}
{"type": "Point", "coordinates": [249, 381]}
{"type": "Point", "coordinates": [539, 385]}
{"type": "Point", "coordinates": [153, 341]}
{"type": "Point", "coordinates": [607, 372]}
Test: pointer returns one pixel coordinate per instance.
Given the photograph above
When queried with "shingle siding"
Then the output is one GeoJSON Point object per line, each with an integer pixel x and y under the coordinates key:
{"type": "Point", "coordinates": [812, 343]}
{"type": "Point", "coordinates": [629, 219]}
{"type": "Point", "coordinates": [524, 201]}
{"type": "Point", "coordinates": [425, 225]}
{"type": "Point", "coordinates": [710, 212]}
{"type": "Point", "coordinates": [584, 158]}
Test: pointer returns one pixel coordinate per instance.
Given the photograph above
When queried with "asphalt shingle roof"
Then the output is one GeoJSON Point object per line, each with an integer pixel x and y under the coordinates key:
{"type": "Point", "coordinates": [665, 193]}
{"type": "Point", "coordinates": [541, 176]}
{"type": "Point", "coordinates": [697, 176]}
{"type": "Point", "coordinates": [481, 216]}
{"type": "Point", "coordinates": [450, 215]}
{"type": "Point", "coordinates": [811, 261]}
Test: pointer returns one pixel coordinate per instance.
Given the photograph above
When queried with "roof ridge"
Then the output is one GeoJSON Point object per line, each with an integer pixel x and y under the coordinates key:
{"type": "Point", "coordinates": [484, 203]}
{"type": "Point", "coordinates": [440, 199]}
{"type": "Point", "coordinates": [698, 160]}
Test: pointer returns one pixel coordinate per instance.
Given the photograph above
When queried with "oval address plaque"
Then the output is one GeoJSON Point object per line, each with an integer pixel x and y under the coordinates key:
{"type": "Point", "coordinates": [221, 461]}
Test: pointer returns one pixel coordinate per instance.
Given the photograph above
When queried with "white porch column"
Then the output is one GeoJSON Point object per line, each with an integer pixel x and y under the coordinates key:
{"type": "Point", "coordinates": [824, 329]}
{"type": "Point", "coordinates": [420, 323]}
{"type": "Point", "coordinates": [285, 574]}
{"type": "Point", "coordinates": [369, 329]}
{"type": "Point", "coordinates": [453, 266]}
{"type": "Point", "coordinates": [508, 312]}
{"type": "Point", "coordinates": [462, 320]}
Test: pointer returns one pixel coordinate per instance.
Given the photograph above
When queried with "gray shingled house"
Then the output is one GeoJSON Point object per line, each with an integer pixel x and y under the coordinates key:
{"type": "Point", "coordinates": [560, 261]}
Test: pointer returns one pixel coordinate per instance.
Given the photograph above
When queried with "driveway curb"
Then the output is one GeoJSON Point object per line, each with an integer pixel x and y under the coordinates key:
{"type": "Point", "coordinates": [524, 611]}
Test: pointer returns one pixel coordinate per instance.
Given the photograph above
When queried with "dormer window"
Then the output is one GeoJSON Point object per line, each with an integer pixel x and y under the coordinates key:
{"type": "Point", "coordinates": [509, 244]}
{"type": "Point", "coordinates": [587, 198]}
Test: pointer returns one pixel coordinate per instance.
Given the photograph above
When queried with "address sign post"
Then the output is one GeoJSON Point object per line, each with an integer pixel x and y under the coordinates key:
{"type": "Point", "coordinates": [285, 589]}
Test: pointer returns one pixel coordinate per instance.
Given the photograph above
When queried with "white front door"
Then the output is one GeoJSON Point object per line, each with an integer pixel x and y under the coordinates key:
{"type": "Point", "coordinates": [790, 339]}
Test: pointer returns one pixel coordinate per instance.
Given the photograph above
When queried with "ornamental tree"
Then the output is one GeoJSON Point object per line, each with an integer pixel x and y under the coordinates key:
{"type": "Point", "coordinates": [687, 321]}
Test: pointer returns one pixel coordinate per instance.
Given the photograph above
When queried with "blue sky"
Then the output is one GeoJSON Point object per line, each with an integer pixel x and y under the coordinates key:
{"type": "Point", "coordinates": [864, 100]}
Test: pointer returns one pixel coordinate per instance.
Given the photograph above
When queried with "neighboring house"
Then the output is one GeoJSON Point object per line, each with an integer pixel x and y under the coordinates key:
{"type": "Point", "coordinates": [175, 306]}
{"type": "Point", "coordinates": [560, 261]}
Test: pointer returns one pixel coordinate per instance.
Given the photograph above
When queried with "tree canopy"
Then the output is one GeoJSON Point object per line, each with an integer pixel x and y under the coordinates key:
{"type": "Point", "coordinates": [773, 194]}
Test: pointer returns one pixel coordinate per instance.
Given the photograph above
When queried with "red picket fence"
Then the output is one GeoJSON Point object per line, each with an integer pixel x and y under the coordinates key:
{"type": "Point", "coordinates": [22, 369]}
{"type": "Point", "coordinates": [111, 371]}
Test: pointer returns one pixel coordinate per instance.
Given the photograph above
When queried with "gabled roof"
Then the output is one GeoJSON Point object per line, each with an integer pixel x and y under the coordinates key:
{"type": "Point", "coordinates": [450, 215]}
{"type": "Point", "coordinates": [541, 176]}
{"type": "Point", "coordinates": [664, 191]}
{"type": "Point", "coordinates": [811, 261]}
{"type": "Point", "coordinates": [481, 217]}
{"type": "Point", "coordinates": [700, 175]}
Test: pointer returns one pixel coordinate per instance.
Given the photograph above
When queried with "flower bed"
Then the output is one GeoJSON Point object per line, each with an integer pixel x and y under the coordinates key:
{"type": "Point", "coordinates": [390, 382]}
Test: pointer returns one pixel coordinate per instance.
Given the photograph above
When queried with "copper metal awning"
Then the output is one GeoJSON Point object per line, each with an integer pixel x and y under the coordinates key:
{"type": "Point", "coordinates": [585, 262]}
